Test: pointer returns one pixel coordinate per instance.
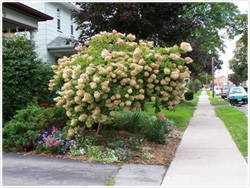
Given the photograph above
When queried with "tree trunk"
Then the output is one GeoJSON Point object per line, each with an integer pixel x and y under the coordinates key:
{"type": "Point", "coordinates": [192, 82]}
{"type": "Point", "coordinates": [98, 128]}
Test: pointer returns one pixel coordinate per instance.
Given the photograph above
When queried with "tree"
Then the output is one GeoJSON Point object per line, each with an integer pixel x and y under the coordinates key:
{"type": "Point", "coordinates": [170, 23]}
{"type": "Point", "coordinates": [234, 78]}
{"type": "Point", "coordinates": [114, 71]}
{"type": "Point", "coordinates": [145, 20]}
{"type": "Point", "coordinates": [202, 62]}
{"type": "Point", "coordinates": [24, 75]}
{"type": "Point", "coordinates": [239, 63]}
{"type": "Point", "coordinates": [204, 78]}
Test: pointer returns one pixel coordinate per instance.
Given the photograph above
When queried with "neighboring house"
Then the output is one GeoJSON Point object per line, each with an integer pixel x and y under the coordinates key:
{"type": "Point", "coordinates": [58, 37]}
{"type": "Point", "coordinates": [221, 81]}
{"type": "Point", "coordinates": [18, 17]}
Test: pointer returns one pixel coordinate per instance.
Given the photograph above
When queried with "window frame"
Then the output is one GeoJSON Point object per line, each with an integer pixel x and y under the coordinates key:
{"type": "Point", "coordinates": [71, 25]}
{"type": "Point", "coordinates": [58, 20]}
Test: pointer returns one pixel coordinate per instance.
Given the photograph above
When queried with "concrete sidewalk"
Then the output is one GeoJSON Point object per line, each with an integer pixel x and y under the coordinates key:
{"type": "Point", "coordinates": [207, 155]}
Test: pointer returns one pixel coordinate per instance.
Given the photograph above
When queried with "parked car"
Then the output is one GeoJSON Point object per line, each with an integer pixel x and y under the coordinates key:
{"type": "Point", "coordinates": [225, 89]}
{"type": "Point", "coordinates": [237, 95]}
{"type": "Point", "coordinates": [217, 90]}
{"type": "Point", "coordinates": [246, 89]}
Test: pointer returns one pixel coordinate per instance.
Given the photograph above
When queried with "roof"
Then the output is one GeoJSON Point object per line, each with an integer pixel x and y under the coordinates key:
{"type": "Point", "coordinates": [26, 10]}
{"type": "Point", "coordinates": [62, 43]}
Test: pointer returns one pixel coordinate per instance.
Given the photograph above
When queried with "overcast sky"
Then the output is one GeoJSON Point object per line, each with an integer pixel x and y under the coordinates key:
{"type": "Point", "coordinates": [243, 7]}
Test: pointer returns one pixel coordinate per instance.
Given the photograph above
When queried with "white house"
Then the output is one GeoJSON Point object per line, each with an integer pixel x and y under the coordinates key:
{"type": "Point", "coordinates": [58, 37]}
{"type": "Point", "coordinates": [17, 17]}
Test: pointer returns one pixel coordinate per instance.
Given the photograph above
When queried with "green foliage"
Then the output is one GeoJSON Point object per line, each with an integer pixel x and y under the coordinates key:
{"type": "Point", "coordinates": [128, 121]}
{"type": "Point", "coordinates": [182, 113]}
{"type": "Point", "coordinates": [235, 78]}
{"type": "Point", "coordinates": [102, 154]}
{"type": "Point", "coordinates": [23, 75]}
{"type": "Point", "coordinates": [110, 183]}
{"type": "Point", "coordinates": [85, 139]}
{"type": "Point", "coordinates": [147, 156]}
{"type": "Point", "coordinates": [204, 78]}
{"type": "Point", "coordinates": [156, 129]}
{"type": "Point", "coordinates": [108, 135]}
{"type": "Point", "coordinates": [239, 63]}
{"type": "Point", "coordinates": [23, 130]}
{"type": "Point", "coordinates": [189, 95]}
{"type": "Point", "coordinates": [197, 85]}
{"type": "Point", "coordinates": [77, 152]}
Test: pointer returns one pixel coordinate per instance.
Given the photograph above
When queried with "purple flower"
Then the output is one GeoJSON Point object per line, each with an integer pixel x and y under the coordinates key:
{"type": "Point", "coordinates": [40, 142]}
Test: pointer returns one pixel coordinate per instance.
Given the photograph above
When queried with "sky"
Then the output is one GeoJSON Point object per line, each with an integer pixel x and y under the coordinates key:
{"type": "Point", "coordinates": [243, 6]}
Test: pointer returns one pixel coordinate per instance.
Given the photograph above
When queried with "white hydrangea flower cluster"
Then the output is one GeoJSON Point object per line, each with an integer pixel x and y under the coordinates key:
{"type": "Point", "coordinates": [113, 70]}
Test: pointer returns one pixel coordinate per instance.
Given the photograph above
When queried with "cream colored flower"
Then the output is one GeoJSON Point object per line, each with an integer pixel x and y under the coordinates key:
{"type": "Point", "coordinates": [87, 43]}
{"type": "Point", "coordinates": [78, 48]}
{"type": "Point", "coordinates": [96, 79]}
{"type": "Point", "coordinates": [131, 37]}
{"type": "Point", "coordinates": [78, 108]}
{"type": "Point", "coordinates": [141, 97]}
{"type": "Point", "coordinates": [174, 56]}
{"type": "Point", "coordinates": [128, 103]}
{"type": "Point", "coordinates": [82, 117]}
{"type": "Point", "coordinates": [186, 47]}
{"type": "Point", "coordinates": [112, 113]}
{"type": "Point", "coordinates": [117, 96]}
{"type": "Point", "coordinates": [146, 74]}
{"type": "Point", "coordinates": [188, 60]}
{"type": "Point", "coordinates": [97, 94]}
{"type": "Point", "coordinates": [130, 91]}
{"type": "Point", "coordinates": [92, 85]}
{"type": "Point", "coordinates": [166, 71]}
{"type": "Point", "coordinates": [73, 122]}
{"type": "Point", "coordinates": [175, 75]}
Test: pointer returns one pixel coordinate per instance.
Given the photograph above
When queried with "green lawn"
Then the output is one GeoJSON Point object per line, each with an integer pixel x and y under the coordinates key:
{"type": "Point", "coordinates": [236, 123]}
{"type": "Point", "coordinates": [182, 113]}
{"type": "Point", "coordinates": [217, 100]}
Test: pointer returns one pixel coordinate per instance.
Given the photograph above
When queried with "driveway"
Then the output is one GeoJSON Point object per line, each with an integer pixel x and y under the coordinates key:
{"type": "Point", "coordinates": [20, 170]}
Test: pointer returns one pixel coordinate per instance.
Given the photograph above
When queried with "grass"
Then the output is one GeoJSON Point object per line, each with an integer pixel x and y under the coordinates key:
{"type": "Point", "coordinates": [236, 123]}
{"type": "Point", "coordinates": [182, 113]}
{"type": "Point", "coordinates": [217, 100]}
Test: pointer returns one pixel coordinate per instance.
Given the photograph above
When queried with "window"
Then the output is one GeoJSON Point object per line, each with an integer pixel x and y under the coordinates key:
{"type": "Point", "coordinates": [72, 26]}
{"type": "Point", "coordinates": [58, 19]}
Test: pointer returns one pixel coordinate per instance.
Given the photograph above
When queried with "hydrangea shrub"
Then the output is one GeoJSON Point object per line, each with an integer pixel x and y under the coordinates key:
{"type": "Point", "coordinates": [113, 70]}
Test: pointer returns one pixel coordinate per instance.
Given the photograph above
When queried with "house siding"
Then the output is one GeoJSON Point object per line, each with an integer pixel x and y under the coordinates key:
{"type": "Point", "coordinates": [47, 31]}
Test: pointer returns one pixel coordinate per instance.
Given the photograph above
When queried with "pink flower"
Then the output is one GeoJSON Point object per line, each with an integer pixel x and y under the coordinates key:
{"type": "Point", "coordinates": [54, 129]}
{"type": "Point", "coordinates": [57, 142]}
{"type": "Point", "coordinates": [36, 93]}
{"type": "Point", "coordinates": [48, 144]}
{"type": "Point", "coordinates": [169, 128]}
{"type": "Point", "coordinates": [164, 118]}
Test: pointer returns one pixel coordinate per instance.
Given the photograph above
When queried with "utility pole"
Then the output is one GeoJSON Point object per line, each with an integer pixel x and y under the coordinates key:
{"type": "Point", "coordinates": [212, 77]}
